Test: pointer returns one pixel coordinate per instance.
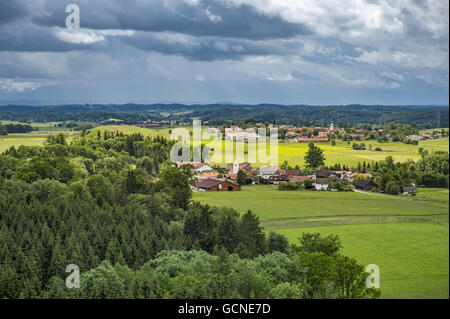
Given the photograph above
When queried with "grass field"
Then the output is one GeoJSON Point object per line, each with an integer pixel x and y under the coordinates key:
{"type": "Point", "coordinates": [35, 138]}
{"type": "Point", "coordinates": [294, 152]}
{"type": "Point", "coordinates": [406, 236]}
{"type": "Point", "coordinates": [130, 129]}
{"type": "Point", "coordinates": [41, 126]}
{"type": "Point", "coordinates": [269, 203]}
{"type": "Point", "coordinates": [413, 257]}
{"type": "Point", "coordinates": [344, 153]}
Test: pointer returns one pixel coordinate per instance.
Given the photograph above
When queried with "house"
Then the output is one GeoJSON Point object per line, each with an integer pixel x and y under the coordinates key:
{"type": "Point", "coordinates": [366, 184]}
{"type": "Point", "coordinates": [426, 136]}
{"type": "Point", "coordinates": [236, 167]}
{"type": "Point", "coordinates": [291, 134]}
{"type": "Point", "coordinates": [231, 177]}
{"type": "Point", "coordinates": [312, 139]}
{"type": "Point", "coordinates": [321, 185]}
{"type": "Point", "coordinates": [298, 179]}
{"type": "Point", "coordinates": [414, 137]}
{"type": "Point", "coordinates": [198, 167]}
{"type": "Point", "coordinates": [320, 174]}
{"type": "Point", "coordinates": [289, 173]}
{"type": "Point", "coordinates": [277, 179]}
{"type": "Point", "coordinates": [347, 177]}
{"type": "Point", "coordinates": [353, 176]}
{"type": "Point", "coordinates": [334, 178]}
{"type": "Point", "coordinates": [256, 180]}
{"type": "Point", "coordinates": [409, 190]}
{"type": "Point", "coordinates": [266, 172]}
{"type": "Point", "coordinates": [207, 175]}
{"type": "Point", "coordinates": [217, 185]}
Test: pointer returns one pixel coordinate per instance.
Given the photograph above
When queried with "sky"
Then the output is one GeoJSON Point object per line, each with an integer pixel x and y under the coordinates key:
{"type": "Point", "coordinates": [217, 51]}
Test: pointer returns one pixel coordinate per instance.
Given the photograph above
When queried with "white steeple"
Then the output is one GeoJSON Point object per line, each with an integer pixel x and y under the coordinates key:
{"type": "Point", "coordinates": [332, 126]}
{"type": "Point", "coordinates": [235, 167]}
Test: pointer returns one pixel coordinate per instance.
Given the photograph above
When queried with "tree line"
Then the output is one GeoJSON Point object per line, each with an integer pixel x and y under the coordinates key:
{"type": "Point", "coordinates": [14, 128]}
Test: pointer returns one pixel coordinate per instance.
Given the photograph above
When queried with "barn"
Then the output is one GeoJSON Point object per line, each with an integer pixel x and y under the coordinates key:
{"type": "Point", "coordinates": [217, 185]}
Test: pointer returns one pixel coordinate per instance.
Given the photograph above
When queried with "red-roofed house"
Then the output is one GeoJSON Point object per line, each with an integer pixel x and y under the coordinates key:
{"type": "Point", "coordinates": [198, 167]}
{"type": "Point", "coordinates": [217, 185]}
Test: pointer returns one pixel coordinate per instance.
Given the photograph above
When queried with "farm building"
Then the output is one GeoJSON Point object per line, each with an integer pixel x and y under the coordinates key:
{"type": "Point", "coordinates": [267, 171]}
{"type": "Point", "coordinates": [289, 173]}
{"type": "Point", "coordinates": [312, 139]}
{"type": "Point", "coordinates": [217, 185]}
{"type": "Point", "coordinates": [298, 179]}
{"type": "Point", "coordinates": [321, 185]}
{"type": "Point", "coordinates": [236, 167]}
{"type": "Point", "coordinates": [320, 174]}
{"type": "Point", "coordinates": [198, 167]}
{"type": "Point", "coordinates": [366, 184]}
{"type": "Point", "coordinates": [277, 179]}
{"type": "Point", "coordinates": [409, 190]}
{"type": "Point", "coordinates": [207, 175]}
{"type": "Point", "coordinates": [256, 180]}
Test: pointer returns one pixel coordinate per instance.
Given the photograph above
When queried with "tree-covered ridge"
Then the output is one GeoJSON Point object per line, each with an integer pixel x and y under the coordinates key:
{"type": "Point", "coordinates": [114, 205]}
{"type": "Point", "coordinates": [219, 114]}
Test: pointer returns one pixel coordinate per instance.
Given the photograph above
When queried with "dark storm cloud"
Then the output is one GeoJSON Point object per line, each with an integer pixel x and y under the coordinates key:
{"type": "Point", "coordinates": [210, 29]}
{"type": "Point", "coordinates": [207, 18]}
{"type": "Point", "coordinates": [26, 36]}
{"type": "Point", "coordinates": [204, 48]}
{"type": "Point", "coordinates": [215, 50]}
{"type": "Point", "coordinates": [12, 10]}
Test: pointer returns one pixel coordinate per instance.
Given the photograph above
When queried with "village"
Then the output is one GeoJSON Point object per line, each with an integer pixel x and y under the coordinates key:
{"type": "Point", "coordinates": [232, 177]}
{"type": "Point", "coordinates": [313, 134]}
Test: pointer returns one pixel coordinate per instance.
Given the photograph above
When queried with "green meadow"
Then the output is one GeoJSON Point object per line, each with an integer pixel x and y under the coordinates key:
{"type": "Point", "coordinates": [406, 236]}
{"type": "Point", "coordinates": [130, 129]}
{"type": "Point", "coordinates": [413, 257]}
{"type": "Point", "coordinates": [35, 138]}
{"type": "Point", "coordinates": [270, 203]}
{"type": "Point", "coordinates": [20, 139]}
{"type": "Point", "coordinates": [42, 127]}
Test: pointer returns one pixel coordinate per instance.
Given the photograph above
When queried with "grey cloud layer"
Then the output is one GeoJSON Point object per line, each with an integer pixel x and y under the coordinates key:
{"type": "Point", "coordinates": [206, 18]}
{"type": "Point", "coordinates": [228, 49]}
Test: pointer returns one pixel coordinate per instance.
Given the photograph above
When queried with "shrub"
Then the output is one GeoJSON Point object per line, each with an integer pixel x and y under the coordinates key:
{"type": "Point", "coordinates": [392, 188]}
{"type": "Point", "coordinates": [288, 187]}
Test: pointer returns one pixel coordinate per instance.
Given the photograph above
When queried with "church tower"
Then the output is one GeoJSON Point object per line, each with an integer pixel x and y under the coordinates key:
{"type": "Point", "coordinates": [235, 167]}
{"type": "Point", "coordinates": [332, 126]}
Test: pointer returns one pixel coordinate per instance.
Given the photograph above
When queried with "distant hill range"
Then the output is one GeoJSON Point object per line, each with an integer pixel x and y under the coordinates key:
{"type": "Point", "coordinates": [429, 115]}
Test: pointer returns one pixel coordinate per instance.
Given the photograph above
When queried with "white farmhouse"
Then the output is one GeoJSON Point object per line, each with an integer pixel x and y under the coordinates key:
{"type": "Point", "coordinates": [321, 185]}
{"type": "Point", "coordinates": [266, 172]}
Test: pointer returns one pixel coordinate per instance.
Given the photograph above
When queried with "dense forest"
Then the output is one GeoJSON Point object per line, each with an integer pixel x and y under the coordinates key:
{"type": "Point", "coordinates": [114, 205]}
{"type": "Point", "coordinates": [5, 129]}
{"type": "Point", "coordinates": [220, 114]}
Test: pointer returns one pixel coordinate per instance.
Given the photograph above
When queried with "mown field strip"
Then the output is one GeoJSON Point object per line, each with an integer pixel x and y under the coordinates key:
{"type": "Point", "coordinates": [299, 222]}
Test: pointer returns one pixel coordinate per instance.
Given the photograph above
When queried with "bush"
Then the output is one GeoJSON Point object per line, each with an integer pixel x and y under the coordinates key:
{"type": "Point", "coordinates": [359, 147]}
{"type": "Point", "coordinates": [288, 187]}
{"type": "Point", "coordinates": [308, 184]}
{"type": "Point", "coordinates": [378, 149]}
{"type": "Point", "coordinates": [392, 188]}
{"type": "Point", "coordinates": [434, 180]}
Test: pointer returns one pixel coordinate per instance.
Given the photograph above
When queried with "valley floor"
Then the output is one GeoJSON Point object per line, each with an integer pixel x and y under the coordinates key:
{"type": "Point", "coordinates": [407, 237]}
